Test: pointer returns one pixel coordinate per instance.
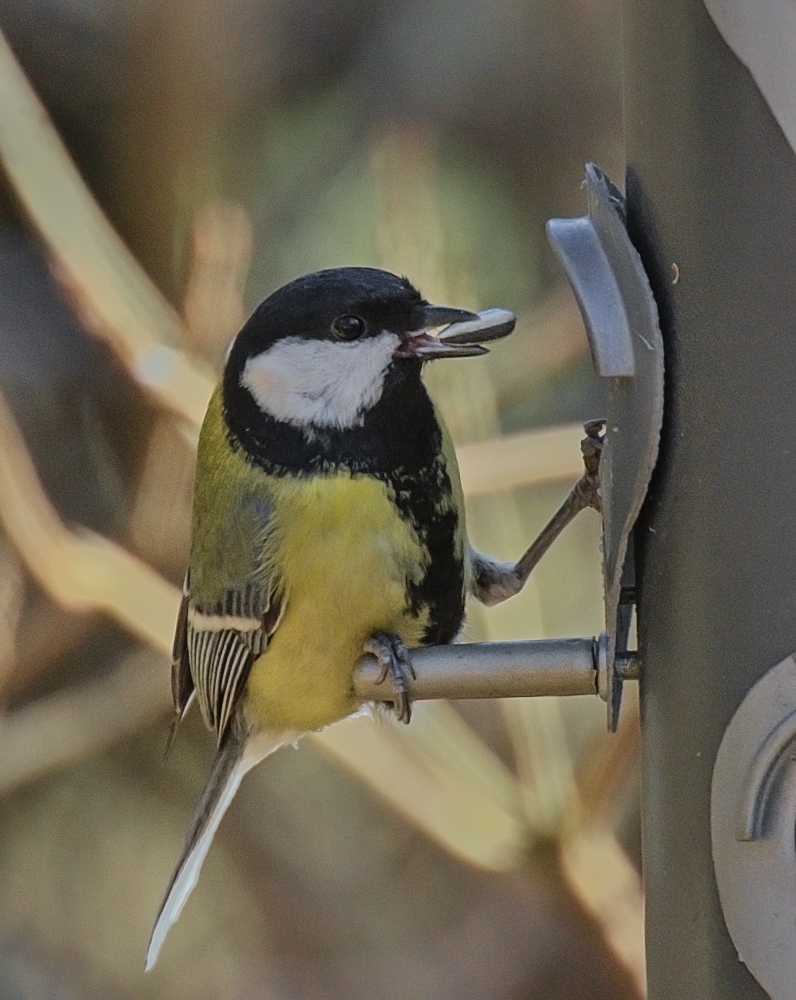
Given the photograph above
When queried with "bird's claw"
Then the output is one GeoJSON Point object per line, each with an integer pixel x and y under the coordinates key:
{"type": "Point", "coordinates": [393, 656]}
{"type": "Point", "coordinates": [587, 489]}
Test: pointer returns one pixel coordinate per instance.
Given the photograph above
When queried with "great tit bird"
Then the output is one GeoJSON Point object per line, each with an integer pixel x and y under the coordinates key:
{"type": "Point", "coordinates": [328, 521]}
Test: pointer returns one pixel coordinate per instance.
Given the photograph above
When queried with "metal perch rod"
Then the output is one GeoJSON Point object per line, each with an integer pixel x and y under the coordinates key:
{"type": "Point", "coordinates": [496, 670]}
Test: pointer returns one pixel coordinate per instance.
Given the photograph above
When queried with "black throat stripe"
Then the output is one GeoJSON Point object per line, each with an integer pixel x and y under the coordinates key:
{"type": "Point", "coordinates": [399, 443]}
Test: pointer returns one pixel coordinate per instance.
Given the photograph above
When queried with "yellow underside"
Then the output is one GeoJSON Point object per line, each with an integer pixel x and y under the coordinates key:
{"type": "Point", "coordinates": [344, 555]}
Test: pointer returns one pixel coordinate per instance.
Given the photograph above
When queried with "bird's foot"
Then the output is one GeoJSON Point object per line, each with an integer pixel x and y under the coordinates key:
{"type": "Point", "coordinates": [587, 489]}
{"type": "Point", "coordinates": [393, 656]}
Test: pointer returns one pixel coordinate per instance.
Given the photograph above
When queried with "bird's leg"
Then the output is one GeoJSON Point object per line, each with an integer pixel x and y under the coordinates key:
{"type": "Point", "coordinates": [393, 656]}
{"type": "Point", "coordinates": [585, 493]}
{"type": "Point", "coordinates": [496, 581]}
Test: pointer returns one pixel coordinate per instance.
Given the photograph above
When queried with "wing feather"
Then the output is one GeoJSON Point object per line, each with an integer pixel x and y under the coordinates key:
{"type": "Point", "coordinates": [220, 663]}
{"type": "Point", "coordinates": [221, 645]}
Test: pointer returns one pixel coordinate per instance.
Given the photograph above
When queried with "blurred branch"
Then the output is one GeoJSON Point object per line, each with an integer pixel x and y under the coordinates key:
{"type": "Point", "coordinates": [521, 459]}
{"type": "Point", "coordinates": [159, 527]}
{"type": "Point", "coordinates": [12, 589]}
{"type": "Point", "coordinates": [580, 812]}
{"type": "Point", "coordinates": [222, 255]}
{"type": "Point", "coordinates": [593, 861]}
{"type": "Point", "coordinates": [51, 633]}
{"type": "Point", "coordinates": [83, 572]}
{"type": "Point", "coordinates": [482, 826]}
{"type": "Point", "coordinates": [538, 737]}
{"type": "Point", "coordinates": [602, 877]}
{"type": "Point", "coordinates": [160, 522]}
{"type": "Point", "coordinates": [611, 763]}
{"type": "Point", "coordinates": [62, 728]}
{"type": "Point", "coordinates": [114, 296]}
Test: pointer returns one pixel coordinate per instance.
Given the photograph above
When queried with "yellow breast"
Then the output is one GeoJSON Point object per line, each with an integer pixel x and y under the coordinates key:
{"type": "Point", "coordinates": [345, 556]}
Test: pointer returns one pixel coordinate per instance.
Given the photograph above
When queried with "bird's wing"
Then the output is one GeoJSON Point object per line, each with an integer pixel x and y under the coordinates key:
{"type": "Point", "coordinates": [231, 606]}
{"type": "Point", "coordinates": [222, 640]}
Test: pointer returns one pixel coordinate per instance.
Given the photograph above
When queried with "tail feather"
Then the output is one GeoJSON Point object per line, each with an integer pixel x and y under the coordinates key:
{"type": "Point", "coordinates": [237, 755]}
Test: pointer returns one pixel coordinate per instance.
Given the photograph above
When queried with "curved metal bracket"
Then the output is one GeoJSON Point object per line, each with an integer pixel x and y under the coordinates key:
{"type": "Point", "coordinates": [579, 245]}
{"type": "Point", "coordinates": [753, 819]}
{"type": "Point", "coordinates": [759, 790]}
{"type": "Point", "coordinates": [621, 318]}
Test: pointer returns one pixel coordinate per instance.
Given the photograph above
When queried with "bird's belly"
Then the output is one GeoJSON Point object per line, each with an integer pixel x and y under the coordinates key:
{"type": "Point", "coordinates": [345, 556]}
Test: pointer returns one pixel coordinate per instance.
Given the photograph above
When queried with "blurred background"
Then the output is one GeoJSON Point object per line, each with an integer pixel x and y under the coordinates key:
{"type": "Point", "coordinates": [167, 165]}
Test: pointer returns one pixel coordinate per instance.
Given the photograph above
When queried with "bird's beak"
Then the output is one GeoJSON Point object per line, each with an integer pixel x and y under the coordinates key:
{"type": "Point", "coordinates": [421, 345]}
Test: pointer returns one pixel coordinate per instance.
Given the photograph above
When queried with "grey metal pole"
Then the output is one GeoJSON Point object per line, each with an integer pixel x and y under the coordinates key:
{"type": "Point", "coordinates": [711, 188]}
{"type": "Point", "coordinates": [491, 670]}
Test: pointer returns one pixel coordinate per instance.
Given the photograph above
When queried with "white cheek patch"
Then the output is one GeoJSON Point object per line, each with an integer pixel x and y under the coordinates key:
{"type": "Point", "coordinates": [320, 382]}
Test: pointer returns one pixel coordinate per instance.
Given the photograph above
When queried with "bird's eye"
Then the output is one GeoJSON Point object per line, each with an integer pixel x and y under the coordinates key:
{"type": "Point", "coordinates": [348, 327]}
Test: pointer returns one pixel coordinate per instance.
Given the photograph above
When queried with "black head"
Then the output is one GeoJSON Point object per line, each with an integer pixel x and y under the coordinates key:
{"type": "Point", "coordinates": [309, 306]}
{"type": "Point", "coordinates": [320, 351]}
